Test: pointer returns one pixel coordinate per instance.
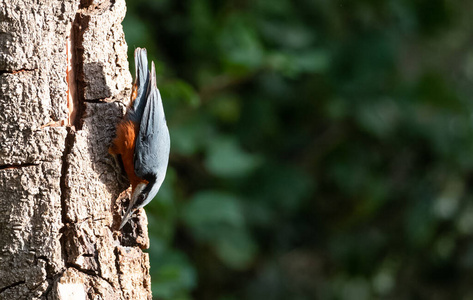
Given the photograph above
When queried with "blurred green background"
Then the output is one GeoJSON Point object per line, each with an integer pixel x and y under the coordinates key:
{"type": "Point", "coordinates": [320, 149]}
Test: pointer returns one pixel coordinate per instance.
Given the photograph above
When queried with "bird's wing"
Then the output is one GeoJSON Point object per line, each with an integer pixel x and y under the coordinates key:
{"type": "Point", "coordinates": [152, 143]}
{"type": "Point", "coordinates": [141, 83]}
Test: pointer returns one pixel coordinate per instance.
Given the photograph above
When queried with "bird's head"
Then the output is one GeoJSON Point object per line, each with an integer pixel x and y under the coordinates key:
{"type": "Point", "coordinates": [141, 195]}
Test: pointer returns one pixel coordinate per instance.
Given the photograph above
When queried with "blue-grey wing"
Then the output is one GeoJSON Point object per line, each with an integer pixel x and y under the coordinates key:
{"type": "Point", "coordinates": [142, 83]}
{"type": "Point", "coordinates": [152, 142]}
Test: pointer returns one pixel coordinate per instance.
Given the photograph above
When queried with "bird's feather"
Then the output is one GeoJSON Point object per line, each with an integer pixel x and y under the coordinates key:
{"type": "Point", "coordinates": [152, 142]}
{"type": "Point", "coordinates": [141, 84]}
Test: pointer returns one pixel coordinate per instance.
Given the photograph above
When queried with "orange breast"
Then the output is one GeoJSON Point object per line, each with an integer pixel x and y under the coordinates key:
{"type": "Point", "coordinates": [124, 145]}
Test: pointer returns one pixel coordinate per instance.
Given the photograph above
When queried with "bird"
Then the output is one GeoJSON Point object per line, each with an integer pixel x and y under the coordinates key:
{"type": "Point", "coordinates": [142, 142]}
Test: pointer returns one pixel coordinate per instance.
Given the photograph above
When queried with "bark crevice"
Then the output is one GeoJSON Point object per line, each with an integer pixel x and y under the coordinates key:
{"type": "Point", "coordinates": [76, 112]}
{"type": "Point", "coordinates": [117, 266]}
{"type": "Point", "coordinates": [18, 166]}
{"type": "Point", "coordinates": [12, 286]}
{"type": "Point", "coordinates": [70, 138]}
{"type": "Point", "coordinates": [16, 71]}
{"type": "Point", "coordinates": [79, 26]}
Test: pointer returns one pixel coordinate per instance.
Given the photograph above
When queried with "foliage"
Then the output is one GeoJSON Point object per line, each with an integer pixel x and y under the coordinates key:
{"type": "Point", "coordinates": [320, 149]}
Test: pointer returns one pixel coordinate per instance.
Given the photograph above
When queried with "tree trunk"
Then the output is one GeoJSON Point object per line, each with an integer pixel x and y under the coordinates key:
{"type": "Point", "coordinates": [63, 74]}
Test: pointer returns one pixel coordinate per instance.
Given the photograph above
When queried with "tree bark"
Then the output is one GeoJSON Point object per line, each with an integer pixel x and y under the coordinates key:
{"type": "Point", "coordinates": [63, 80]}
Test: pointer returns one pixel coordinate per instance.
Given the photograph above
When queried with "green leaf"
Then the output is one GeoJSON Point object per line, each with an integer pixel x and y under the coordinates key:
{"type": "Point", "coordinates": [226, 108]}
{"type": "Point", "coordinates": [213, 208]}
{"type": "Point", "coordinates": [379, 117]}
{"type": "Point", "coordinates": [179, 90]}
{"type": "Point", "coordinates": [240, 44]}
{"type": "Point", "coordinates": [236, 250]}
{"type": "Point", "coordinates": [225, 158]}
{"type": "Point", "coordinates": [190, 135]}
{"type": "Point", "coordinates": [295, 63]}
{"type": "Point", "coordinates": [216, 218]}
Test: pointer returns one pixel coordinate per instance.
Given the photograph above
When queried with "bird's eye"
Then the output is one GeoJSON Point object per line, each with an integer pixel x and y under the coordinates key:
{"type": "Point", "coordinates": [141, 198]}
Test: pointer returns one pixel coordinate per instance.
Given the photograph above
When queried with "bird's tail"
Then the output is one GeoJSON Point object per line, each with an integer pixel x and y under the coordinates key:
{"type": "Point", "coordinates": [141, 85]}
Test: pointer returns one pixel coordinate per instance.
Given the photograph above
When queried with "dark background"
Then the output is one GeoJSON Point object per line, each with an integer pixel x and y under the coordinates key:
{"type": "Point", "coordinates": [319, 149]}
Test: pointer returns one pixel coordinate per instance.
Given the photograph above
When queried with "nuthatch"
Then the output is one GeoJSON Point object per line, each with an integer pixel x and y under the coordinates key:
{"type": "Point", "coordinates": [142, 143]}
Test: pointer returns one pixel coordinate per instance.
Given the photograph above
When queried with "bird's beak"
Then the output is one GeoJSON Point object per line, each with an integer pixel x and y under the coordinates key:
{"type": "Point", "coordinates": [127, 216]}
{"type": "Point", "coordinates": [132, 207]}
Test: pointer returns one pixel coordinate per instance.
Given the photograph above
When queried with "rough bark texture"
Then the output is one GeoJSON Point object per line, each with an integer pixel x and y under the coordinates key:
{"type": "Point", "coordinates": [63, 74]}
